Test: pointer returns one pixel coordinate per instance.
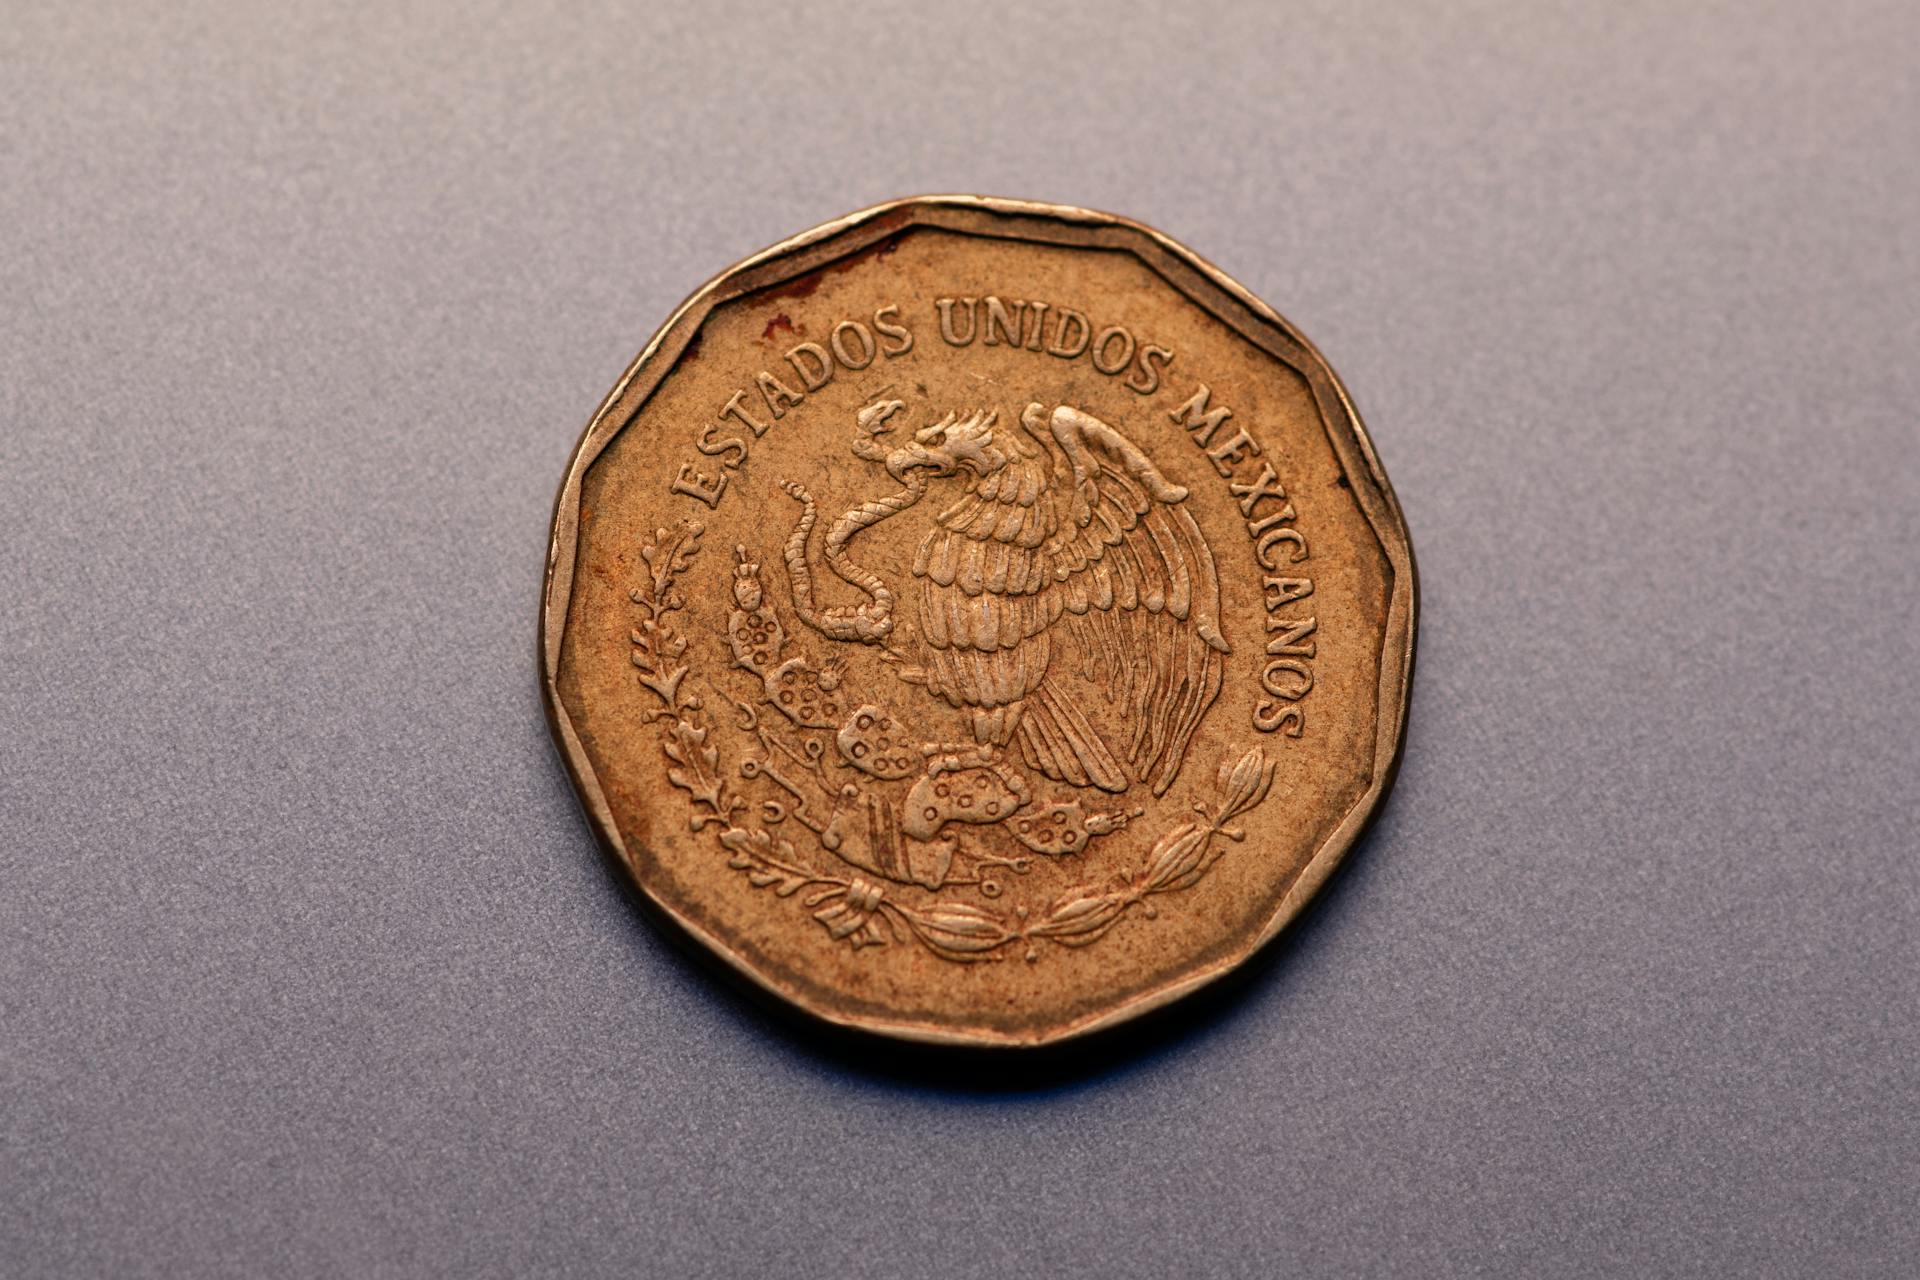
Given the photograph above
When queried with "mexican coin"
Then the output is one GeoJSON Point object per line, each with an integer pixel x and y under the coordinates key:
{"type": "Point", "coordinates": [977, 621]}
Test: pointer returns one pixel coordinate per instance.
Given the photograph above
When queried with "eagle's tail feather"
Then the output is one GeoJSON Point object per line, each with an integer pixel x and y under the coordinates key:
{"type": "Point", "coordinates": [1059, 741]}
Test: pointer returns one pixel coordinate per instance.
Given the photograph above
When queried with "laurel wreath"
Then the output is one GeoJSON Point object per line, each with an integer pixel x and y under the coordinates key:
{"type": "Point", "coordinates": [854, 909]}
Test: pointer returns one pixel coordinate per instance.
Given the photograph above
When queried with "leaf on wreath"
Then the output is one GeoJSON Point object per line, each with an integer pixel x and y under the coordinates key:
{"type": "Point", "coordinates": [1076, 902]}
{"type": "Point", "coordinates": [959, 928]}
{"type": "Point", "coordinates": [1247, 785]}
{"type": "Point", "coordinates": [746, 840]}
{"type": "Point", "coordinates": [1079, 919]}
{"type": "Point", "coordinates": [1176, 859]}
{"type": "Point", "coordinates": [739, 841]}
{"type": "Point", "coordinates": [667, 687]}
{"type": "Point", "coordinates": [685, 550]}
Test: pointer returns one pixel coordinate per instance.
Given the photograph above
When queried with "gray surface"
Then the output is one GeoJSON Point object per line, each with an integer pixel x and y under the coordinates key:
{"type": "Point", "coordinates": [309, 965]}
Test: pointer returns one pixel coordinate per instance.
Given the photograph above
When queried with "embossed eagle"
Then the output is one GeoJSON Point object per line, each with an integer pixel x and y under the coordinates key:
{"type": "Point", "coordinates": [1067, 549]}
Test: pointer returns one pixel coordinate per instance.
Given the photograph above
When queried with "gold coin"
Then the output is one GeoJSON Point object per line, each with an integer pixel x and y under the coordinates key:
{"type": "Point", "coordinates": [978, 622]}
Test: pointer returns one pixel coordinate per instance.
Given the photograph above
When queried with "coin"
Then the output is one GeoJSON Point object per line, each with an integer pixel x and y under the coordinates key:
{"type": "Point", "coordinates": [977, 621]}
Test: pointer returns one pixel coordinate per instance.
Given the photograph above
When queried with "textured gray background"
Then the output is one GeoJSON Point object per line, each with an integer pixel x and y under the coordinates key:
{"type": "Point", "coordinates": [308, 965]}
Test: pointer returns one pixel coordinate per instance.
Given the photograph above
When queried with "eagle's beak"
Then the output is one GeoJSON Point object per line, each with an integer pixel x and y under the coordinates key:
{"type": "Point", "coordinates": [910, 456]}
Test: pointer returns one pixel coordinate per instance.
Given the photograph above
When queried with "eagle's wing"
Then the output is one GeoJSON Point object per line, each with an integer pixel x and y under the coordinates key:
{"type": "Point", "coordinates": [1094, 541]}
{"type": "Point", "coordinates": [1140, 590]}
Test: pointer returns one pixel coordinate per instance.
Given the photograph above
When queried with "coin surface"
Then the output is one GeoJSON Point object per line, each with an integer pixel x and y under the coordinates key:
{"type": "Point", "coordinates": [978, 621]}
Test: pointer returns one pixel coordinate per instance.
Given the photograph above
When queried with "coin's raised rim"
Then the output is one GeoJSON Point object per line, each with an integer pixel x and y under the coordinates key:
{"type": "Point", "coordinates": [1205, 285]}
